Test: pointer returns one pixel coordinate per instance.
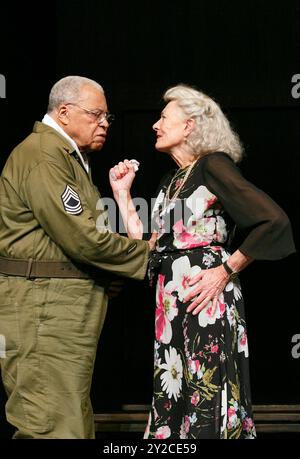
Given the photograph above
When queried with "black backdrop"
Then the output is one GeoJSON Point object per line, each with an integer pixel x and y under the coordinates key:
{"type": "Point", "coordinates": [244, 54]}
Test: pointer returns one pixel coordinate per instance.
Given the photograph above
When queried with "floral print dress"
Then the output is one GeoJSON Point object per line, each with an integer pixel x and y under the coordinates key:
{"type": "Point", "coordinates": [201, 375]}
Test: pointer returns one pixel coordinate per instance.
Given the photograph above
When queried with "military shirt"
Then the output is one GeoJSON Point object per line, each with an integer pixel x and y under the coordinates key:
{"type": "Point", "coordinates": [51, 210]}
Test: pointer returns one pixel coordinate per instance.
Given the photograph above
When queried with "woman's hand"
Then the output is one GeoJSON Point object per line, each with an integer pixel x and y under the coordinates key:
{"type": "Point", "coordinates": [121, 176]}
{"type": "Point", "coordinates": [210, 284]}
{"type": "Point", "coordinates": [152, 241]}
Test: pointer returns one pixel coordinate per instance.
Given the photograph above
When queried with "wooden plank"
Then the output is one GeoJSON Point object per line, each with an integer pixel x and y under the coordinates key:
{"type": "Point", "coordinates": [277, 428]}
{"type": "Point", "coordinates": [289, 417]}
{"type": "Point", "coordinates": [121, 417]}
{"type": "Point", "coordinates": [267, 418]}
{"type": "Point", "coordinates": [276, 408]}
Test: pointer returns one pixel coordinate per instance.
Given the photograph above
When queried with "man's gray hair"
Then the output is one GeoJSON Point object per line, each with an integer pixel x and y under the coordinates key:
{"type": "Point", "coordinates": [68, 90]}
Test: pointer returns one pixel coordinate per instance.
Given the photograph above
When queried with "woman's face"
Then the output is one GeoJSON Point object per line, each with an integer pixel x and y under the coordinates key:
{"type": "Point", "coordinates": [171, 128]}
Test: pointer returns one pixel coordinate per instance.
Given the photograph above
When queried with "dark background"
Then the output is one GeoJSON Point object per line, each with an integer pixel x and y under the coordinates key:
{"type": "Point", "coordinates": [243, 54]}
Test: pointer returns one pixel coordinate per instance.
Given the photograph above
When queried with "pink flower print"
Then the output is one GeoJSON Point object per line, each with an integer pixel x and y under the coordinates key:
{"type": "Point", "coordinates": [206, 316]}
{"type": "Point", "coordinates": [248, 424]}
{"type": "Point", "coordinates": [168, 405]}
{"type": "Point", "coordinates": [242, 340]}
{"type": "Point", "coordinates": [195, 368]}
{"type": "Point", "coordinates": [182, 272]}
{"type": "Point", "coordinates": [195, 398]}
{"type": "Point", "coordinates": [214, 349]}
{"type": "Point", "coordinates": [163, 432]}
{"type": "Point", "coordinates": [222, 306]}
{"type": "Point", "coordinates": [183, 239]}
{"type": "Point", "coordinates": [178, 183]}
{"type": "Point", "coordinates": [178, 227]}
{"type": "Point", "coordinates": [231, 412]}
{"type": "Point", "coordinates": [185, 282]}
{"type": "Point", "coordinates": [184, 428]}
{"type": "Point", "coordinates": [166, 310]}
{"type": "Point", "coordinates": [187, 424]}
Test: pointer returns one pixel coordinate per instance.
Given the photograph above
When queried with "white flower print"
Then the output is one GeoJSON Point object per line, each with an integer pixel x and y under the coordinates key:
{"type": "Point", "coordinates": [242, 340]}
{"type": "Point", "coordinates": [172, 377]}
{"type": "Point", "coordinates": [224, 410]}
{"type": "Point", "coordinates": [147, 430]}
{"type": "Point", "coordinates": [162, 432]}
{"type": "Point", "coordinates": [184, 428]}
{"type": "Point", "coordinates": [193, 418]}
{"type": "Point", "coordinates": [206, 317]}
{"type": "Point", "coordinates": [236, 289]}
{"type": "Point", "coordinates": [182, 273]}
{"type": "Point", "coordinates": [208, 259]}
{"type": "Point", "coordinates": [156, 354]}
{"type": "Point", "coordinates": [202, 231]}
{"type": "Point", "coordinates": [159, 200]}
{"type": "Point", "coordinates": [221, 231]}
{"type": "Point", "coordinates": [194, 367]}
{"type": "Point", "coordinates": [166, 310]}
{"type": "Point", "coordinates": [231, 313]}
{"type": "Point", "coordinates": [200, 200]}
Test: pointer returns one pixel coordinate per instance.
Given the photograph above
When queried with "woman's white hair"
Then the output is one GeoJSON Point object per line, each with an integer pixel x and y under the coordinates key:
{"type": "Point", "coordinates": [212, 131]}
{"type": "Point", "coordinates": [68, 89]}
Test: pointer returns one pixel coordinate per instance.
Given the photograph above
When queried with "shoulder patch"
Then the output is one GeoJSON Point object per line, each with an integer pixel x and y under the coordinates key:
{"type": "Point", "coordinates": [71, 201]}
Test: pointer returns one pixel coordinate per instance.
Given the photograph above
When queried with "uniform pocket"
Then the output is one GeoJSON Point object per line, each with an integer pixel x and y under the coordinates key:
{"type": "Point", "coordinates": [31, 384]}
{"type": "Point", "coordinates": [9, 324]}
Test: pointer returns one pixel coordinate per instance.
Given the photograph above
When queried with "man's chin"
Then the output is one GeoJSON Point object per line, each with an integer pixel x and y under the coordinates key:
{"type": "Point", "coordinates": [96, 146]}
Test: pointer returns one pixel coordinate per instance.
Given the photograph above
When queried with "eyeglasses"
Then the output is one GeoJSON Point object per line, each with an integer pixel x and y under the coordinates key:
{"type": "Point", "coordinates": [98, 115]}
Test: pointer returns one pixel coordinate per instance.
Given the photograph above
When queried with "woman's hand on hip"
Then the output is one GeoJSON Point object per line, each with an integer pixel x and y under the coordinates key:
{"type": "Point", "coordinates": [209, 284]}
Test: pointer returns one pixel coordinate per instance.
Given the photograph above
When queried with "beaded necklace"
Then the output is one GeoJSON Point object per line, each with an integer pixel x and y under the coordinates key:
{"type": "Point", "coordinates": [168, 199]}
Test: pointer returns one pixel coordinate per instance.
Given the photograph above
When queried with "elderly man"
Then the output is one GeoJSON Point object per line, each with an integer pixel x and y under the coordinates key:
{"type": "Point", "coordinates": [57, 254]}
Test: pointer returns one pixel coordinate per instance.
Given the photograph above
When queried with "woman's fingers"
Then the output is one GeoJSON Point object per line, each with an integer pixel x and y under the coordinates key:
{"type": "Point", "coordinates": [192, 294]}
{"type": "Point", "coordinates": [121, 169]}
{"type": "Point", "coordinates": [196, 278]}
{"type": "Point", "coordinates": [197, 305]}
{"type": "Point", "coordinates": [200, 304]}
{"type": "Point", "coordinates": [214, 305]}
{"type": "Point", "coordinates": [128, 164]}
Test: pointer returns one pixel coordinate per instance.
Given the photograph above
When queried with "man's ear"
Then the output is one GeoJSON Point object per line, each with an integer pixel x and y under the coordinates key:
{"type": "Point", "coordinates": [189, 126]}
{"type": "Point", "coordinates": [63, 114]}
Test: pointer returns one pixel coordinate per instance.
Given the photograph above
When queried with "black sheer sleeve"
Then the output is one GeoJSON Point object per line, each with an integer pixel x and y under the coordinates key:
{"type": "Point", "coordinates": [269, 234]}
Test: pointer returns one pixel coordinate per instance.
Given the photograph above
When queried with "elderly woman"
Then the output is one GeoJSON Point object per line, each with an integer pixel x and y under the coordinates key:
{"type": "Point", "coordinates": [201, 376]}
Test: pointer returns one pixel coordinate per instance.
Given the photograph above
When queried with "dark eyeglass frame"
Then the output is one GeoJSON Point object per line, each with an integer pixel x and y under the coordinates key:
{"type": "Point", "coordinates": [99, 115]}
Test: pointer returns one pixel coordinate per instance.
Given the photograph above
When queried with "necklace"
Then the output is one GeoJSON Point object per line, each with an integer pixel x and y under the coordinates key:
{"type": "Point", "coordinates": [170, 199]}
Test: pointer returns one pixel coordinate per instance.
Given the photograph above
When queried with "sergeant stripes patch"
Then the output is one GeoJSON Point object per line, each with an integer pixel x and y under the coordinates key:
{"type": "Point", "coordinates": [71, 201]}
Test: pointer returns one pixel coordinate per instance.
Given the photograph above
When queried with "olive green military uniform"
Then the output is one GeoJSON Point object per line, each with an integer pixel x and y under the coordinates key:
{"type": "Point", "coordinates": [49, 326]}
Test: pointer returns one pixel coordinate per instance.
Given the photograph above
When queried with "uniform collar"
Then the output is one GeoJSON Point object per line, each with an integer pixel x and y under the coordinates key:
{"type": "Point", "coordinates": [49, 121]}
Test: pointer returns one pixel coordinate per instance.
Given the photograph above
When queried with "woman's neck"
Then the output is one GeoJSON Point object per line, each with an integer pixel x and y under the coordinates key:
{"type": "Point", "coordinates": [182, 158]}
